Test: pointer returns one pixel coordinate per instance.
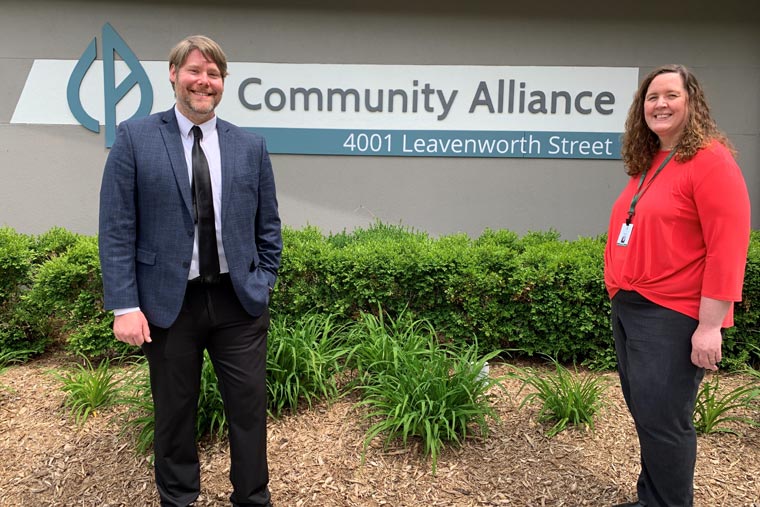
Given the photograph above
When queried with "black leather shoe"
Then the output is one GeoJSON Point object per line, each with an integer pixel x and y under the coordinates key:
{"type": "Point", "coordinates": [630, 504]}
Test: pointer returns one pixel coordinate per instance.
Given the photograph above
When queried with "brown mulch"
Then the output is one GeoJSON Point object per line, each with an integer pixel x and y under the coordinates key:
{"type": "Point", "coordinates": [315, 457]}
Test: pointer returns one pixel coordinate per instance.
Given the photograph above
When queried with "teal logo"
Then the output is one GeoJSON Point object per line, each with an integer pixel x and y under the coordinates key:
{"type": "Point", "coordinates": [112, 45]}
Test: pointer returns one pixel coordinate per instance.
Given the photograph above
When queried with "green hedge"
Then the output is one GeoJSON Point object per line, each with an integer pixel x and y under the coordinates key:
{"type": "Point", "coordinates": [55, 295]}
{"type": "Point", "coordinates": [742, 342]}
{"type": "Point", "coordinates": [537, 294]}
{"type": "Point", "coordinates": [16, 256]}
{"type": "Point", "coordinates": [533, 294]}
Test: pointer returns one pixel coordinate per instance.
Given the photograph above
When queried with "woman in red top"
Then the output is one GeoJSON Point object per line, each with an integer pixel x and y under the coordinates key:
{"type": "Point", "coordinates": [674, 265]}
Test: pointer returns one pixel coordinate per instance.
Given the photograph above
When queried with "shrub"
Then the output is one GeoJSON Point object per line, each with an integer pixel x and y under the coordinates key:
{"type": "Point", "coordinates": [15, 279]}
{"type": "Point", "coordinates": [380, 267]}
{"type": "Point", "coordinates": [66, 302]}
{"type": "Point", "coordinates": [53, 243]}
{"type": "Point", "coordinates": [537, 294]}
{"type": "Point", "coordinates": [16, 334]}
{"type": "Point", "coordinates": [562, 309]}
{"type": "Point", "coordinates": [741, 344]}
{"type": "Point", "coordinates": [480, 293]}
{"type": "Point", "coordinates": [15, 262]}
{"type": "Point", "coordinates": [302, 283]}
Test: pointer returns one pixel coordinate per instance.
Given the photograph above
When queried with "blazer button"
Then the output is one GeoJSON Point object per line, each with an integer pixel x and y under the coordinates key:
{"type": "Point", "coordinates": [185, 264]}
{"type": "Point", "coordinates": [190, 232]}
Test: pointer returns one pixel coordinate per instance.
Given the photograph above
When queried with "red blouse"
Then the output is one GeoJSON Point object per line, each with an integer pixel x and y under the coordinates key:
{"type": "Point", "coordinates": [690, 233]}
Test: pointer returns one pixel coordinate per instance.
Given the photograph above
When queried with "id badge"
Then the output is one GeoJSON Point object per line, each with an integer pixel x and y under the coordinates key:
{"type": "Point", "coordinates": [625, 234]}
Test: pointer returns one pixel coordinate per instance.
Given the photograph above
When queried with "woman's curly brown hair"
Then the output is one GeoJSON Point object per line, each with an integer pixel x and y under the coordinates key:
{"type": "Point", "coordinates": [639, 143]}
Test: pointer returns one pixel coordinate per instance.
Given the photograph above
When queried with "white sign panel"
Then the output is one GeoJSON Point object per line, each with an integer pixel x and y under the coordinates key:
{"type": "Point", "coordinates": [399, 110]}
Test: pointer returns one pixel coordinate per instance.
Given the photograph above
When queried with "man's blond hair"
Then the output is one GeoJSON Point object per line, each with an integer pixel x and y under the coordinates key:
{"type": "Point", "coordinates": [205, 45]}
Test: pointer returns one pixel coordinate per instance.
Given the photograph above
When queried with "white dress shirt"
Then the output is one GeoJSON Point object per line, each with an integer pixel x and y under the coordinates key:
{"type": "Point", "coordinates": [210, 145]}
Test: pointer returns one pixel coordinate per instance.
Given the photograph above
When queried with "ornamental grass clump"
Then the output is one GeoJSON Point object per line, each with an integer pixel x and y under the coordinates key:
{"type": "Point", "coordinates": [139, 417]}
{"type": "Point", "coordinates": [566, 397]}
{"type": "Point", "coordinates": [424, 390]}
{"type": "Point", "coordinates": [90, 388]}
{"type": "Point", "coordinates": [749, 370]}
{"type": "Point", "coordinates": [9, 358]}
{"type": "Point", "coordinates": [211, 418]}
{"type": "Point", "coordinates": [714, 409]}
{"type": "Point", "coordinates": [12, 357]}
{"type": "Point", "coordinates": [303, 361]}
{"type": "Point", "coordinates": [380, 342]}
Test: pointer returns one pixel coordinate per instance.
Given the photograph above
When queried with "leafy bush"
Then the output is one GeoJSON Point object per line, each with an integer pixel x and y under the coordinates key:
{"type": "Point", "coordinates": [563, 306]}
{"type": "Point", "coordinates": [481, 293]}
{"type": "Point", "coordinates": [67, 303]}
{"type": "Point", "coordinates": [536, 293]}
{"type": "Point", "coordinates": [53, 243]}
{"type": "Point", "coordinates": [741, 344]}
{"type": "Point", "coordinates": [377, 231]}
{"type": "Point", "coordinates": [302, 283]}
{"type": "Point", "coordinates": [15, 279]}
{"type": "Point", "coordinates": [15, 262]}
{"type": "Point", "coordinates": [16, 334]}
{"type": "Point", "coordinates": [22, 326]}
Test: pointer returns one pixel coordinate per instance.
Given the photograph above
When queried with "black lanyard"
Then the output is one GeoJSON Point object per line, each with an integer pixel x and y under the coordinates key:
{"type": "Point", "coordinates": [640, 191]}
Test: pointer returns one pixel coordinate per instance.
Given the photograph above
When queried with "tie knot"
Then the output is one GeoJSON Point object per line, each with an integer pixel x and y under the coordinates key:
{"type": "Point", "coordinates": [197, 132]}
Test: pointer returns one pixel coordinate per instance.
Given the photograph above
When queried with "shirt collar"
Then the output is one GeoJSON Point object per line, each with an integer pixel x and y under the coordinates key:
{"type": "Point", "coordinates": [185, 125]}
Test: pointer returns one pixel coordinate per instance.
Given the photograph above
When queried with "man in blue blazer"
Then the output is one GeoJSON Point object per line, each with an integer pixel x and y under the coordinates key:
{"type": "Point", "coordinates": [185, 270]}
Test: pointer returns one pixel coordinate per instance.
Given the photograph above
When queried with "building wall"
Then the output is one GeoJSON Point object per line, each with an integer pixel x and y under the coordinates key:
{"type": "Point", "coordinates": [50, 175]}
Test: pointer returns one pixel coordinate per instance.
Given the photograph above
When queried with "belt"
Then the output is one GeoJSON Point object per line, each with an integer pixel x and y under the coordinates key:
{"type": "Point", "coordinates": [210, 280]}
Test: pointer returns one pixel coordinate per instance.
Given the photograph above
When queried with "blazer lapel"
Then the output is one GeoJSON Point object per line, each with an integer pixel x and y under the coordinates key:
{"type": "Point", "coordinates": [226, 153]}
{"type": "Point", "coordinates": [173, 141]}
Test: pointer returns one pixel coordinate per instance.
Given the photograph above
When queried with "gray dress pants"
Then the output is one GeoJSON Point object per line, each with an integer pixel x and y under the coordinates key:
{"type": "Point", "coordinates": [660, 386]}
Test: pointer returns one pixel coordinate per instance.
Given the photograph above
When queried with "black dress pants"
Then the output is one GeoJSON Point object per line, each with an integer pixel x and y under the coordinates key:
{"type": "Point", "coordinates": [211, 318]}
{"type": "Point", "coordinates": [660, 386]}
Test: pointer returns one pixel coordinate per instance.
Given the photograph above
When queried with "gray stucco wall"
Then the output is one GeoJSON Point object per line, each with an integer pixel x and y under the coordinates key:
{"type": "Point", "coordinates": [50, 175]}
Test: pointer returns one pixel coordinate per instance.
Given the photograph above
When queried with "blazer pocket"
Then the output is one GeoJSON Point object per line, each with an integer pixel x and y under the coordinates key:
{"type": "Point", "coordinates": [145, 257]}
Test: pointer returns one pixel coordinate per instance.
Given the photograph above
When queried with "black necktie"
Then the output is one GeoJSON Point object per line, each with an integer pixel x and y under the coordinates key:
{"type": "Point", "coordinates": [204, 212]}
